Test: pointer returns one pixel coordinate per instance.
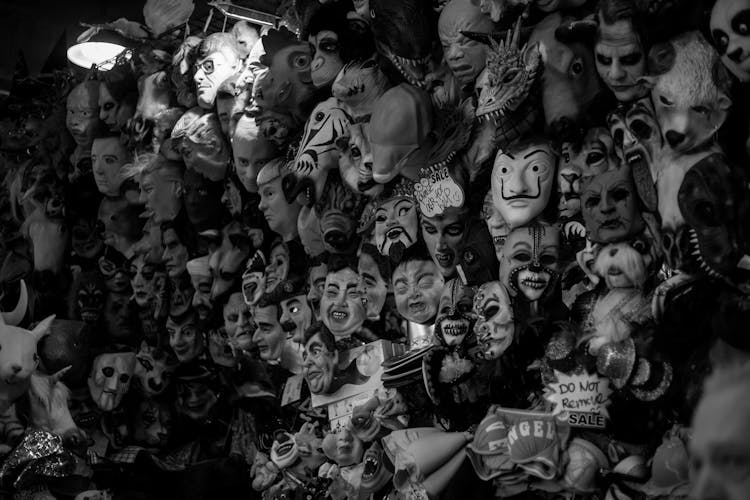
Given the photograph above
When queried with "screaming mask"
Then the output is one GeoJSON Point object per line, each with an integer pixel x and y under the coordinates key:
{"type": "Point", "coordinates": [530, 264]}
{"type": "Point", "coordinates": [636, 134]}
{"type": "Point", "coordinates": [111, 375]}
{"type": "Point", "coordinates": [611, 207]}
{"type": "Point", "coordinates": [342, 309]}
{"type": "Point", "coordinates": [494, 328]}
{"type": "Point", "coordinates": [455, 319]}
{"type": "Point", "coordinates": [254, 279]}
{"type": "Point", "coordinates": [396, 223]}
{"type": "Point", "coordinates": [522, 179]}
{"type": "Point", "coordinates": [729, 23]}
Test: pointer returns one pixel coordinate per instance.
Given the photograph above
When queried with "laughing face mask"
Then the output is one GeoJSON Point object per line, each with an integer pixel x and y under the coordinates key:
{"type": "Point", "coordinates": [110, 378]}
{"type": "Point", "coordinates": [530, 263]}
{"type": "Point", "coordinates": [341, 307]}
{"type": "Point", "coordinates": [494, 328]}
{"type": "Point", "coordinates": [610, 207]}
{"type": "Point", "coordinates": [455, 318]}
{"type": "Point", "coordinates": [417, 286]}
{"type": "Point", "coordinates": [522, 179]}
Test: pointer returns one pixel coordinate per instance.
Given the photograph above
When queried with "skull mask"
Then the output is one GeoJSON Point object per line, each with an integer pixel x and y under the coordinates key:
{"type": "Point", "coordinates": [110, 378]}
{"type": "Point", "coordinates": [530, 265]}
{"type": "Point", "coordinates": [495, 328]}
{"type": "Point", "coordinates": [455, 318]}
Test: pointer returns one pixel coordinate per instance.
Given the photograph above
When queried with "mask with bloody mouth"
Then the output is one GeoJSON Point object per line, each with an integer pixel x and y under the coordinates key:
{"type": "Point", "coordinates": [530, 264]}
{"type": "Point", "coordinates": [455, 319]}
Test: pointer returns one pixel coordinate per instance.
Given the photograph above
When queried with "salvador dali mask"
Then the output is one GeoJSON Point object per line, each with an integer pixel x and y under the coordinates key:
{"type": "Point", "coordinates": [522, 180]}
{"type": "Point", "coordinates": [396, 225]}
{"type": "Point", "coordinates": [495, 329]}
{"type": "Point", "coordinates": [530, 265]}
{"type": "Point", "coordinates": [455, 318]}
{"type": "Point", "coordinates": [610, 207]}
{"type": "Point", "coordinates": [111, 375]}
{"type": "Point", "coordinates": [341, 307]}
{"type": "Point", "coordinates": [731, 36]}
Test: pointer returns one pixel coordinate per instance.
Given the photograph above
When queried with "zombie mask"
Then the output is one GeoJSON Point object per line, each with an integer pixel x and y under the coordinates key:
{"type": "Point", "coordinates": [443, 235]}
{"type": "Point", "coordinates": [239, 323]}
{"type": "Point", "coordinates": [201, 280]}
{"type": "Point", "coordinates": [153, 370]}
{"type": "Point", "coordinates": [202, 200]}
{"type": "Point", "coordinates": [296, 316]}
{"type": "Point", "coordinates": [417, 285]}
{"type": "Point", "coordinates": [152, 423]}
{"type": "Point", "coordinates": [714, 201]}
{"type": "Point", "coordinates": [254, 279]}
{"type": "Point", "coordinates": [636, 134]}
{"type": "Point", "coordinates": [494, 328]}
{"type": "Point", "coordinates": [269, 335]}
{"type": "Point", "coordinates": [320, 360]}
{"type": "Point", "coordinates": [396, 225]}
{"type": "Point", "coordinates": [343, 447]}
{"type": "Point", "coordinates": [120, 223]}
{"type": "Point", "coordinates": [110, 378]}
{"type": "Point", "coordinates": [610, 206]}
{"type": "Point", "coordinates": [195, 396]}
{"type": "Point", "coordinates": [465, 57]}
{"type": "Point", "coordinates": [218, 58]}
{"type": "Point", "coordinates": [227, 260]}
{"type": "Point", "coordinates": [689, 89]}
{"type": "Point", "coordinates": [82, 119]}
{"type": "Point", "coordinates": [280, 215]}
{"type": "Point", "coordinates": [729, 30]}
{"type": "Point", "coordinates": [108, 156]}
{"type": "Point", "coordinates": [522, 180]}
{"type": "Point", "coordinates": [326, 60]}
{"type": "Point", "coordinates": [88, 294]}
{"type": "Point", "coordinates": [185, 339]}
{"type": "Point", "coordinates": [181, 294]}
{"type": "Point", "coordinates": [620, 59]}
{"type": "Point", "coordinates": [143, 280]}
{"type": "Point", "coordinates": [530, 264]}
{"type": "Point", "coordinates": [355, 161]}
{"type": "Point", "coordinates": [162, 188]}
{"type": "Point", "coordinates": [455, 319]}
{"type": "Point", "coordinates": [251, 151]}
{"type": "Point", "coordinates": [341, 307]}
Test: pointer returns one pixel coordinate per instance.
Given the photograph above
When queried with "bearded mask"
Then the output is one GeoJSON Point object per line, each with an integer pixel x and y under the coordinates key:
{"type": "Point", "coordinates": [530, 265]}
{"type": "Point", "coordinates": [396, 223]}
{"type": "Point", "coordinates": [611, 207]}
{"type": "Point", "coordinates": [110, 378]}
{"type": "Point", "coordinates": [522, 180]}
{"type": "Point", "coordinates": [495, 329]}
{"type": "Point", "coordinates": [715, 203]}
{"type": "Point", "coordinates": [455, 319]}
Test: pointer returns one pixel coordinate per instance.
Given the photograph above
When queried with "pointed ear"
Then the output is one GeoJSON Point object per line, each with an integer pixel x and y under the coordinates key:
{"type": "Point", "coordinates": [342, 143]}
{"type": "Point", "coordinates": [42, 328]}
{"type": "Point", "coordinates": [144, 346]}
{"type": "Point", "coordinates": [531, 54]}
{"type": "Point", "coordinates": [648, 81]}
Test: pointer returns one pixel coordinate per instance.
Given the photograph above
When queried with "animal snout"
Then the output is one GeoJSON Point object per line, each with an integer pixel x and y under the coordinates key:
{"type": "Point", "coordinates": [155, 385]}
{"type": "Point", "coordinates": [674, 138]}
{"type": "Point", "coordinates": [736, 55]}
{"type": "Point", "coordinates": [15, 368]}
{"type": "Point", "coordinates": [76, 439]}
{"type": "Point", "coordinates": [565, 129]}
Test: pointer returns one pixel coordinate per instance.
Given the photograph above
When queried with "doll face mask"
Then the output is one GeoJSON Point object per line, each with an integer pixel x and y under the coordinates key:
{"type": "Point", "coordinates": [465, 57]}
{"type": "Point", "coordinates": [326, 61]}
{"type": "Point", "coordinates": [296, 316]}
{"type": "Point", "coordinates": [110, 379]}
{"type": "Point", "coordinates": [341, 307]}
{"type": "Point", "coordinates": [396, 224]}
{"type": "Point", "coordinates": [455, 318]}
{"type": "Point", "coordinates": [494, 328]}
{"type": "Point", "coordinates": [530, 262]}
{"type": "Point", "coordinates": [417, 286]}
{"type": "Point", "coordinates": [210, 73]}
{"type": "Point", "coordinates": [620, 60]}
{"type": "Point", "coordinates": [108, 156]}
{"type": "Point", "coordinates": [522, 182]}
{"type": "Point", "coordinates": [269, 336]}
{"type": "Point", "coordinates": [610, 207]}
{"type": "Point", "coordinates": [184, 338]}
{"type": "Point", "coordinates": [319, 364]}
{"type": "Point", "coordinates": [729, 30]}
{"type": "Point", "coordinates": [443, 236]}
{"type": "Point", "coordinates": [82, 119]}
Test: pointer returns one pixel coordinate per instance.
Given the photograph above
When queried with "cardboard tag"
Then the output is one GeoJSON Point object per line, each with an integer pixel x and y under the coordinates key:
{"type": "Point", "coordinates": [583, 397]}
{"type": "Point", "coordinates": [436, 191]}
{"type": "Point", "coordinates": [292, 390]}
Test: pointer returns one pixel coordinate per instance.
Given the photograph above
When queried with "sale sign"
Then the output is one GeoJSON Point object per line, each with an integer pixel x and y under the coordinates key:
{"type": "Point", "coordinates": [584, 397]}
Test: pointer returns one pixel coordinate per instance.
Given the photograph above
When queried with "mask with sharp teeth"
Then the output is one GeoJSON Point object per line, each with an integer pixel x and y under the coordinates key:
{"type": "Point", "coordinates": [530, 264]}
{"type": "Point", "coordinates": [455, 320]}
{"type": "Point", "coordinates": [254, 279]}
{"type": "Point", "coordinates": [376, 473]}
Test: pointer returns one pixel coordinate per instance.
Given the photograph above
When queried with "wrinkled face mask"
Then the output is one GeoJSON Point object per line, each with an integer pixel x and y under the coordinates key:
{"type": "Point", "coordinates": [610, 207]}
{"type": "Point", "coordinates": [530, 262]}
{"type": "Point", "coordinates": [396, 225]}
{"type": "Point", "coordinates": [494, 328]}
{"type": "Point", "coordinates": [455, 318]}
{"type": "Point", "coordinates": [417, 286]}
{"type": "Point", "coordinates": [326, 61]}
{"type": "Point", "coordinates": [341, 307]}
{"type": "Point", "coordinates": [239, 322]}
{"type": "Point", "coordinates": [636, 134]}
{"type": "Point", "coordinates": [110, 379]}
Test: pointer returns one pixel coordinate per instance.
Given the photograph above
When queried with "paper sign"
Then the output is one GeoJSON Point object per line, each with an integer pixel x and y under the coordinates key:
{"type": "Point", "coordinates": [292, 390]}
{"type": "Point", "coordinates": [436, 191]}
{"type": "Point", "coordinates": [584, 397]}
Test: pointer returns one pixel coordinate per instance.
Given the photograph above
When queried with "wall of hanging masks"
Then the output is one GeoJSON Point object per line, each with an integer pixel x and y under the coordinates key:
{"type": "Point", "coordinates": [405, 249]}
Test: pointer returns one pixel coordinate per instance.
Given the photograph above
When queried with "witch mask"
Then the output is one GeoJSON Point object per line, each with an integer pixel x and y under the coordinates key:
{"type": "Point", "coordinates": [110, 378]}
{"type": "Point", "coordinates": [530, 265]}
{"type": "Point", "coordinates": [610, 206]}
{"type": "Point", "coordinates": [455, 318]}
{"type": "Point", "coordinates": [495, 329]}
{"type": "Point", "coordinates": [522, 180]}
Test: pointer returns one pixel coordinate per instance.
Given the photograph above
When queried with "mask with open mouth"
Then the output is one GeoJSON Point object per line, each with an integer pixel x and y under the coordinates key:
{"type": "Point", "coordinates": [530, 264]}
{"type": "Point", "coordinates": [375, 474]}
{"type": "Point", "coordinates": [455, 319]}
{"type": "Point", "coordinates": [495, 329]}
{"type": "Point", "coordinates": [254, 279]}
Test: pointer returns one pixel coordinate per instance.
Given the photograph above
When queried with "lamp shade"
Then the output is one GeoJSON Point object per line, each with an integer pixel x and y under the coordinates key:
{"type": "Point", "coordinates": [101, 54]}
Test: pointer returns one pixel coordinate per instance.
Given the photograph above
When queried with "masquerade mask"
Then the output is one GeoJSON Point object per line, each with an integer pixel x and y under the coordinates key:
{"type": "Point", "coordinates": [531, 261]}
{"type": "Point", "coordinates": [110, 378]}
{"type": "Point", "coordinates": [610, 207]}
{"type": "Point", "coordinates": [455, 319]}
{"type": "Point", "coordinates": [494, 328]}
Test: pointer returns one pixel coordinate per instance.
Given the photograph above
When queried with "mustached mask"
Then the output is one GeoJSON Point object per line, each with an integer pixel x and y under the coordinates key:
{"type": "Point", "coordinates": [455, 319]}
{"type": "Point", "coordinates": [530, 265]}
{"type": "Point", "coordinates": [396, 221]}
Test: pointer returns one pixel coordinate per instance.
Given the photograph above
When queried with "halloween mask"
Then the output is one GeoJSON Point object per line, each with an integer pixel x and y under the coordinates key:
{"type": "Point", "coordinates": [119, 314]}
{"type": "Point", "coordinates": [254, 279]}
{"type": "Point", "coordinates": [251, 151]}
{"type": "Point", "coordinates": [269, 336]}
{"type": "Point", "coordinates": [610, 207]}
{"type": "Point", "coordinates": [84, 239]}
{"type": "Point", "coordinates": [227, 260]}
{"type": "Point", "coordinates": [142, 280]}
{"type": "Point", "coordinates": [153, 370]}
{"type": "Point", "coordinates": [498, 228]}
{"type": "Point", "coordinates": [201, 280]}
{"type": "Point", "coordinates": [181, 294]}
{"type": "Point", "coordinates": [246, 35]}
{"type": "Point", "coordinates": [89, 294]}
{"type": "Point", "coordinates": [417, 286]}
{"type": "Point", "coordinates": [714, 201]}
{"type": "Point", "coordinates": [343, 447]}
{"type": "Point", "coordinates": [522, 179]}
{"type": "Point", "coordinates": [280, 215]}
{"type": "Point", "coordinates": [162, 188]}
{"type": "Point", "coordinates": [358, 86]}
{"type": "Point", "coordinates": [108, 155]}
{"type": "Point", "coordinates": [530, 263]}
{"type": "Point", "coordinates": [202, 145]}
{"type": "Point", "coordinates": [202, 200]}
{"type": "Point", "coordinates": [465, 57]}
{"type": "Point", "coordinates": [231, 101]}
{"type": "Point", "coordinates": [218, 58]}
{"type": "Point", "coordinates": [338, 212]}
{"type": "Point", "coordinates": [118, 95]}
{"type": "Point", "coordinates": [689, 89]}
{"type": "Point", "coordinates": [620, 59]}
{"type": "Point", "coordinates": [455, 318]}
{"type": "Point", "coordinates": [195, 396]}
{"type": "Point", "coordinates": [316, 282]}
{"type": "Point", "coordinates": [152, 423]}
{"type": "Point", "coordinates": [341, 307]}
{"type": "Point", "coordinates": [120, 223]}
{"type": "Point", "coordinates": [494, 328]}
{"type": "Point", "coordinates": [110, 378]}
{"type": "Point", "coordinates": [82, 119]}
{"type": "Point", "coordinates": [239, 322]}
{"type": "Point", "coordinates": [326, 60]}
{"type": "Point", "coordinates": [372, 280]}
{"type": "Point", "coordinates": [296, 316]}
{"type": "Point", "coordinates": [175, 255]}
{"type": "Point", "coordinates": [443, 235]}
{"type": "Point", "coordinates": [184, 338]}
{"type": "Point", "coordinates": [396, 225]}
{"type": "Point", "coordinates": [730, 35]}
{"type": "Point", "coordinates": [320, 360]}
